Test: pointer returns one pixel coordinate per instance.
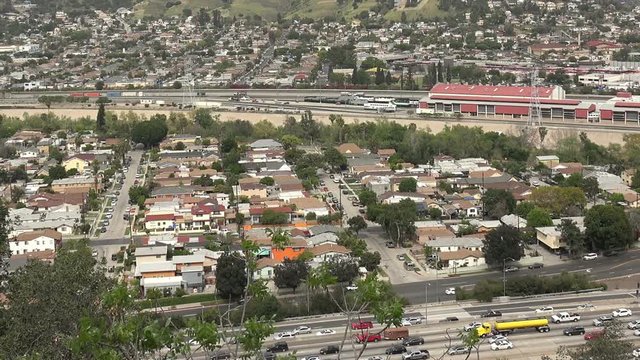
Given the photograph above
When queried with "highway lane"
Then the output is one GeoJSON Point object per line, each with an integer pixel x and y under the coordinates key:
{"type": "Point", "coordinates": [528, 343]}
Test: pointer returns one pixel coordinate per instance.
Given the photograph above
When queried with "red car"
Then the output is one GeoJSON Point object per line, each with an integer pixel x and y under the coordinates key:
{"type": "Point", "coordinates": [368, 338]}
{"type": "Point", "coordinates": [362, 325]}
{"type": "Point", "coordinates": [592, 335]}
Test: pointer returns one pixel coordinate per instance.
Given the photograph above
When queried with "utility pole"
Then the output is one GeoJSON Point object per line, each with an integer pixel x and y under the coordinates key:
{"type": "Point", "coordinates": [426, 301]}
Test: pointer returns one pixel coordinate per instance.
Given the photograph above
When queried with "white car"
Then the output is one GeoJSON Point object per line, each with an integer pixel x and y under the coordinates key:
{"type": "Point", "coordinates": [352, 288]}
{"type": "Point", "coordinates": [544, 309]}
{"type": "Point", "coordinates": [405, 322]}
{"type": "Point", "coordinates": [589, 256]}
{"type": "Point", "coordinates": [413, 320]}
{"type": "Point", "coordinates": [622, 312]}
{"type": "Point", "coordinates": [284, 335]}
{"type": "Point", "coordinates": [302, 330]}
{"type": "Point", "coordinates": [450, 291]}
{"type": "Point", "coordinates": [636, 353]}
{"type": "Point", "coordinates": [472, 326]}
{"type": "Point", "coordinates": [324, 332]}
{"type": "Point", "coordinates": [375, 357]}
{"type": "Point", "coordinates": [497, 338]}
{"type": "Point", "coordinates": [636, 332]}
{"type": "Point", "coordinates": [311, 358]}
{"type": "Point", "coordinates": [502, 345]}
{"type": "Point", "coordinates": [633, 325]}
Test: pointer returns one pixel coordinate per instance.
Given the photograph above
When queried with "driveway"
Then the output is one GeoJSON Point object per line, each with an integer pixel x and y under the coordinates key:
{"type": "Point", "coordinates": [376, 239]}
{"type": "Point", "coordinates": [117, 224]}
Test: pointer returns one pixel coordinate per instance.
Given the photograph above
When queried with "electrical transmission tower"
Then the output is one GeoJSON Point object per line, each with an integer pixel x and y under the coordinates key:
{"type": "Point", "coordinates": [187, 88]}
{"type": "Point", "coordinates": [535, 114]}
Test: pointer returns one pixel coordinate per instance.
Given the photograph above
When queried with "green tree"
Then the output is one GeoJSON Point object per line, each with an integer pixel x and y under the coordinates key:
{"type": "Point", "coordinates": [99, 85]}
{"type": "Point", "coordinates": [101, 120]}
{"type": "Point", "coordinates": [367, 197]}
{"type": "Point", "coordinates": [370, 260]}
{"type": "Point", "coordinates": [435, 213]}
{"type": "Point", "coordinates": [498, 203]}
{"type": "Point", "coordinates": [344, 270]}
{"type": "Point", "coordinates": [177, 85]}
{"type": "Point", "coordinates": [335, 159]}
{"type": "Point", "coordinates": [57, 172]}
{"type": "Point", "coordinates": [538, 217]}
{"type": "Point", "coordinates": [559, 201]}
{"type": "Point", "coordinates": [270, 217]}
{"type": "Point", "coordinates": [290, 274]}
{"type": "Point", "coordinates": [635, 180]}
{"type": "Point", "coordinates": [231, 277]}
{"type": "Point", "coordinates": [397, 220]}
{"type": "Point", "coordinates": [356, 224]}
{"type": "Point", "coordinates": [42, 291]}
{"type": "Point", "coordinates": [352, 242]}
{"type": "Point", "coordinates": [267, 180]}
{"type": "Point", "coordinates": [502, 243]}
{"type": "Point", "coordinates": [408, 185]}
{"type": "Point", "coordinates": [571, 236]}
{"type": "Point", "coordinates": [138, 195]}
{"type": "Point", "coordinates": [151, 132]}
{"type": "Point", "coordinates": [607, 227]}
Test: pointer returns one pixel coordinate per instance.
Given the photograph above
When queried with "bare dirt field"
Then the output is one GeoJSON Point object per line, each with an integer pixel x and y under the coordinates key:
{"type": "Point", "coordinates": [602, 137]}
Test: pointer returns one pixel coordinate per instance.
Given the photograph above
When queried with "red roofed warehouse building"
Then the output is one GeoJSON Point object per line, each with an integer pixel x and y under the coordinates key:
{"type": "Point", "coordinates": [501, 101]}
{"type": "Point", "coordinates": [623, 108]}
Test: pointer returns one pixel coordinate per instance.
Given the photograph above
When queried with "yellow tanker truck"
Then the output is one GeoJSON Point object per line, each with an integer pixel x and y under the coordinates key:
{"type": "Point", "coordinates": [506, 327]}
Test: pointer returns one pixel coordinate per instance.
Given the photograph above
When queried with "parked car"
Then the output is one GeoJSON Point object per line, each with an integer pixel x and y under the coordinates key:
{"type": "Point", "coordinates": [511, 268]}
{"type": "Point", "coordinates": [390, 244]}
{"type": "Point", "coordinates": [329, 349]}
{"type": "Point", "coordinates": [220, 354]}
{"type": "Point", "coordinates": [94, 253]}
{"type": "Point", "coordinates": [622, 312]}
{"type": "Point", "coordinates": [636, 353]}
{"type": "Point", "coordinates": [536, 266]}
{"type": "Point", "coordinates": [491, 313]}
{"type": "Point", "coordinates": [458, 350]}
{"type": "Point", "coordinates": [280, 346]}
{"type": "Point", "coordinates": [574, 330]}
{"type": "Point", "coordinates": [395, 349]}
{"type": "Point", "coordinates": [411, 341]}
{"type": "Point", "coordinates": [590, 256]}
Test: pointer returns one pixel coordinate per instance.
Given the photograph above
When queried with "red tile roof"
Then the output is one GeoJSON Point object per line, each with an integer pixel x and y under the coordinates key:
{"type": "Point", "coordinates": [159, 217]}
{"type": "Point", "coordinates": [628, 104]}
{"type": "Point", "coordinates": [489, 90]}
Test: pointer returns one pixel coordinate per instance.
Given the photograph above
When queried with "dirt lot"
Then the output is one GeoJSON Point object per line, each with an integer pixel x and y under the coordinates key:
{"type": "Point", "coordinates": [599, 137]}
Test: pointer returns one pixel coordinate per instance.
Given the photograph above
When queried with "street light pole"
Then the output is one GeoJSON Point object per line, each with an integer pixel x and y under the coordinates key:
{"type": "Point", "coordinates": [504, 275]}
{"type": "Point", "coordinates": [426, 301]}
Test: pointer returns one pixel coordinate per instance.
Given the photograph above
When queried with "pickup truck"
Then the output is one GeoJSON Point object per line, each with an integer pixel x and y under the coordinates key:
{"type": "Point", "coordinates": [565, 317]}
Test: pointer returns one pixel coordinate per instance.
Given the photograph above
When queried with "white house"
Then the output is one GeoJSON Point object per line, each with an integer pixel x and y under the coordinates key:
{"type": "Point", "coordinates": [265, 268]}
{"type": "Point", "coordinates": [34, 241]}
{"type": "Point", "coordinates": [461, 258]}
{"type": "Point", "coordinates": [448, 244]}
{"type": "Point", "coordinates": [325, 252]}
{"type": "Point", "coordinates": [396, 197]}
{"type": "Point", "coordinates": [29, 153]}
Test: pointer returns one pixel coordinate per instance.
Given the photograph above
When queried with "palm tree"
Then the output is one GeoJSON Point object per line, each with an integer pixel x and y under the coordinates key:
{"type": "Point", "coordinates": [279, 238]}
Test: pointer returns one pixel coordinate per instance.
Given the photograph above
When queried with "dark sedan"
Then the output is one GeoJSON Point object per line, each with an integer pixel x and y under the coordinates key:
{"type": "Point", "coordinates": [491, 313]}
{"type": "Point", "coordinates": [411, 341]}
{"type": "Point", "coordinates": [395, 349]}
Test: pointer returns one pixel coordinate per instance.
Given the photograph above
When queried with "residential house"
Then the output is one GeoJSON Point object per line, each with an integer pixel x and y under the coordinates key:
{"type": "Point", "coordinates": [251, 190]}
{"type": "Point", "coordinates": [80, 162]}
{"type": "Point", "coordinates": [395, 197]}
{"type": "Point", "coordinates": [265, 145]}
{"type": "Point", "coordinates": [151, 254]}
{"type": "Point", "coordinates": [193, 277]}
{"type": "Point", "coordinates": [296, 247]}
{"type": "Point", "coordinates": [548, 160]}
{"type": "Point", "coordinates": [350, 150]}
{"type": "Point", "coordinates": [28, 153]}
{"type": "Point", "coordinates": [385, 154]}
{"type": "Point", "coordinates": [567, 169]}
{"type": "Point", "coordinates": [35, 241]}
{"type": "Point", "coordinates": [461, 258]}
{"type": "Point", "coordinates": [305, 205]}
{"type": "Point", "coordinates": [256, 213]}
{"type": "Point", "coordinates": [265, 268]}
{"type": "Point", "coordinates": [154, 269]}
{"type": "Point", "coordinates": [75, 185]}
{"type": "Point", "coordinates": [160, 222]}
{"type": "Point", "coordinates": [378, 184]}
{"type": "Point", "coordinates": [442, 244]}
{"type": "Point", "coordinates": [326, 252]}
{"type": "Point", "coordinates": [167, 285]}
{"type": "Point", "coordinates": [322, 239]}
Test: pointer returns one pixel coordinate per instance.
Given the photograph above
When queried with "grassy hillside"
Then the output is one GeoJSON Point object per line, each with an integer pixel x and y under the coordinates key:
{"type": "Point", "coordinates": [425, 9]}
{"type": "Point", "coordinates": [267, 9]}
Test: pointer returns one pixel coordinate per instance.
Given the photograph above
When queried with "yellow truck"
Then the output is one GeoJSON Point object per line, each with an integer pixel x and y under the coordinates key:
{"type": "Point", "coordinates": [506, 327]}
